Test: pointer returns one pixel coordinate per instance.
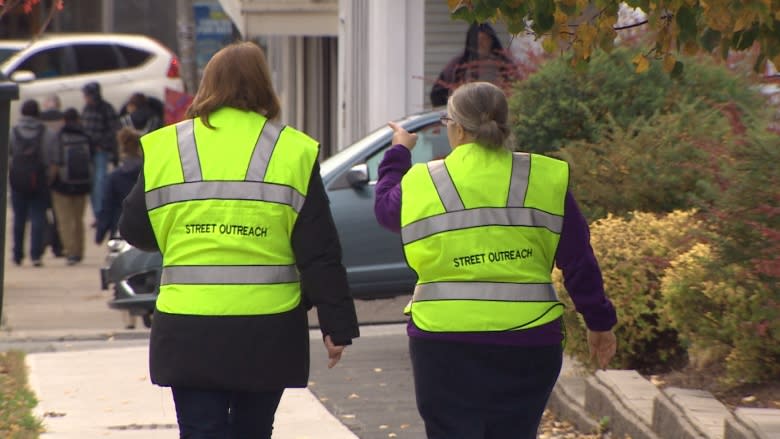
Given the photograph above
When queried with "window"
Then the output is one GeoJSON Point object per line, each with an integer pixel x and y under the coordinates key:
{"type": "Point", "coordinates": [432, 144]}
{"type": "Point", "coordinates": [6, 53]}
{"type": "Point", "coordinates": [96, 58]}
{"type": "Point", "coordinates": [48, 63]}
{"type": "Point", "coordinates": [133, 57]}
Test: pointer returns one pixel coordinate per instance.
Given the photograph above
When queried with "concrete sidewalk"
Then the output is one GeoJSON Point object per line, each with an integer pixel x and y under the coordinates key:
{"type": "Point", "coordinates": [107, 393]}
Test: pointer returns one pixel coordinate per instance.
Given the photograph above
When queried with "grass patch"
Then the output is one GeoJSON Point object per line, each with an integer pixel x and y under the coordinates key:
{"type": "Point", "coordinates": [16, 399]}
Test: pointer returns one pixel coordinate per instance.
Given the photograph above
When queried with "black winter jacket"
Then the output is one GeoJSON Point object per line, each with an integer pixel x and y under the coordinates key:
{"type": "Point", "coordinates": [118, 184]}
{"type": "Point", "coordinates": [252, 353]}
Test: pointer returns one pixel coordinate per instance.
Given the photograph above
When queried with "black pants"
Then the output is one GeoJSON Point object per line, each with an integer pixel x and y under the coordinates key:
{"type": "Point", "coordinates": [477, 391]}
{"type": "Point", "coordinates": [214, 414]}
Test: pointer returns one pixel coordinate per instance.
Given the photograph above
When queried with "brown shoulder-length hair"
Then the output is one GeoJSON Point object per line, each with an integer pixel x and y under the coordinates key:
{"type": "Point", "coordinates": [237, 76]}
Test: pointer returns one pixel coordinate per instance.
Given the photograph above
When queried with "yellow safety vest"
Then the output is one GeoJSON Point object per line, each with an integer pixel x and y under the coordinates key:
{"type": "Point", "coordinates": [223, 203]}
{"type": "Point", "coordinates": [481, 229]}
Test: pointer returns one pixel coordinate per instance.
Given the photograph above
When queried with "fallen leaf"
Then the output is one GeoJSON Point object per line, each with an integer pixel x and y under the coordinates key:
{"type": "Point", "coordinates": [377, 369]}
{"type": "Point", "coordinates": [750, 398]}
{"type": "Point", "coordinates": [655, 379]}
{"type": "Point", "coordinates": [392, 435]}
{"type": "Point", "coordinates": [404, 426]}
{"type": "Point", "coordinates": [348, 416]}
{"type": "Point", "coordinates": [353, 396]}
{"type": "Point", "coordinates": [383, 427]}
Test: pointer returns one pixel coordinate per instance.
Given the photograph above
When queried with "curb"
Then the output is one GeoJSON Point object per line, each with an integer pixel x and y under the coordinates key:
{"type": "Point", "coordinates": [50, 337]}
{"type": "Point", "coordinates": [631, 406]}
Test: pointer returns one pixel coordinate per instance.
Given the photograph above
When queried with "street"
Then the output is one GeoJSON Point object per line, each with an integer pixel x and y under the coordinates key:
{"type": "Point", "coordinates": [59, 308]}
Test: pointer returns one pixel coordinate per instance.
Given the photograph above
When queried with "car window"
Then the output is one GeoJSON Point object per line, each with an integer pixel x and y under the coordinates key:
{"type": "Point", "coordinates": [6, 53]}
{"type": "Point", "coordinates": [432, 144]}
{"type": "Point", "coordinates": [92, 58]}
{"type": "Point", "coordinates": [133, 57]}
{"type": "Point", "coordinates": [48, 63]}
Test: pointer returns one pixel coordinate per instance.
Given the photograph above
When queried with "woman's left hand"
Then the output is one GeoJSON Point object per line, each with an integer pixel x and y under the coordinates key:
{"type": "Point", "coordinates": [602, 345]}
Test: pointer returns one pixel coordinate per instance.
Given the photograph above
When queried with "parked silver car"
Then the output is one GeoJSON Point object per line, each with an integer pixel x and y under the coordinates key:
{"type": "Point", "coordinates": [373, 256]}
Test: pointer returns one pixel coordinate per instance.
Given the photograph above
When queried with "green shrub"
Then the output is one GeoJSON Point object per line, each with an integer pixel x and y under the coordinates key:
{"type": "Point", "coordinates": [558, 105]}
{"type": "Point", "coordinates": [651, 165]}
{"type": "Point", "coordinates": [725, 315]}
{"type": "Point", "coordinates": [724, 297]}
{"type": "Point", "coordinates": [746, 212]}
{"type": "Point", "coordinates": [633, 254]}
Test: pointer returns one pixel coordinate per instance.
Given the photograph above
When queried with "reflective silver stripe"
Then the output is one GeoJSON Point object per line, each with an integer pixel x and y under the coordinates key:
{"type": "Point", "coordinates": [505, 292]}
{"type": "Point", "coordinates": [188, 152]}
{"type": "Point", "coordinates": [444, 186]}
{"type": "Point", "coordinates": [485, 216]}
{"type": "Point", "coordinates": [264, 147]}
{"type": "Point", "coordinates": [229, 274]}
{"type": "Point", "coordinates": [224, 190]}
{"type": "Point", "coordinates": [518, 186]}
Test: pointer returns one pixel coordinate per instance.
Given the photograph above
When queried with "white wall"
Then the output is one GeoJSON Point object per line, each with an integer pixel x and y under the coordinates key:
{"type": "Point", "coordinates": [381, 46]}
{"type": "Point", "coordinates": [396, 40]}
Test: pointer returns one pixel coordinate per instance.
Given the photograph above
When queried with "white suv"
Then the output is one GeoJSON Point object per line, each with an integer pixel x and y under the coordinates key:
{"type": "Point", "coordinates": [61, 64]}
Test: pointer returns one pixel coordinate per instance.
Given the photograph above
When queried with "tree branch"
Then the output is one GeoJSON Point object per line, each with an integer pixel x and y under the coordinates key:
{"type": "Point", "coordinates": [49, 17]}
{"type": "Point", "coordinates": [8, 5]}
{"type": "Point", "coordinates": [629, 26]}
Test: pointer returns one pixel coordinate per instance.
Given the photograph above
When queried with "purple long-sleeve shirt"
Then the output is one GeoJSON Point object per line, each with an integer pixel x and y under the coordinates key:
{"type": "Point", "coordinates": [575, 258]}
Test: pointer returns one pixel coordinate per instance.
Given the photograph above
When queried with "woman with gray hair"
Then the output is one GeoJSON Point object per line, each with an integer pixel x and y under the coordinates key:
{"type": "Point", "coordinates": [482, 229]}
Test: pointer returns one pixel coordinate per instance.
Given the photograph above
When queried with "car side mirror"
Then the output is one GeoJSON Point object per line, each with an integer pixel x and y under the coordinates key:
{"type": "Point", "coordinates": [22, 76]}
{"type": "Point", "coordinates": [358, 175]}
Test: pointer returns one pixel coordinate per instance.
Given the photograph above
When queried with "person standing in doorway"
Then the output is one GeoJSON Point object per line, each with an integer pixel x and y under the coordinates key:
{"type": "Point", "coordinates": [28, 145]}
{"type": "Point", "coordinates": [482, 229]}
{"type": "Point", "coordinates": [235, 203]}
{"type": "Point", "coordinates": [101, 123]}
{"type": "Point", "coordinates": [71, 178]}
{"type": "Point", "coordinates": [483, 59]}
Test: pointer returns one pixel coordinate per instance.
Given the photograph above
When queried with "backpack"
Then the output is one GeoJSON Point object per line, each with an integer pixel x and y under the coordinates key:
{"type": "Point", "coordinates": [75, 159]}
{"type": "Point", "coordinates": [28, 172]}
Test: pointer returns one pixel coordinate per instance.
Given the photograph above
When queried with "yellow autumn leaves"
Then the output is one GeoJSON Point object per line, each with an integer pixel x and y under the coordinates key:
{"type": "Point", "coordinates": [673, 26]}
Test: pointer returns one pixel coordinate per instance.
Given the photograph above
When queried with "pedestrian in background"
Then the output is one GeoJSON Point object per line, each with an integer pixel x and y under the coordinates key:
{"type": "Point", "coordinates": [483, 59]}
{"type": "Point", "coordinates": [101, 123]}
{"type": "Point", "coordinates": [235, 204]}
{"type": "Point", "coordinates": [118, 184]}
{"type": "Point", "coordinates": [70, 175]}
{"type": "Point", "coordinates": [139, 114]}
{"type": "Point", "coordinates": [28, 145]}
{"type": "Point", "coordinates": [52, 117]}
{"type": "Point", "coordinates": [482, 229]}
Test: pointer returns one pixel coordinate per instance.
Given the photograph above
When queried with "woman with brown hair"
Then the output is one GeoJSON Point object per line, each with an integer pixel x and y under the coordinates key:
{"type": "Point", "coordinates": [234, 202]}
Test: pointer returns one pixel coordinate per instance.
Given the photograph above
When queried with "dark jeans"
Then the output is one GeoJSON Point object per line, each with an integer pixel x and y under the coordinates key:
{"type": "Point", "coordinates": [478, 391]}
{"type": "Point", "coordinates": [214, 414]}
{"type": "Point", "coordinates": [33, 208]}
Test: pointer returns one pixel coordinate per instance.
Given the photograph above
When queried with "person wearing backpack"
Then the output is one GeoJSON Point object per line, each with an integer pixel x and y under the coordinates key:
{"type": "Point", "coordinates": [29, 143]}
{"type": "Point", "coordinates": [71, 181]}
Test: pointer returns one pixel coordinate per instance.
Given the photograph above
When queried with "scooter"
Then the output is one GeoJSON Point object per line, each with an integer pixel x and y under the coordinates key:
{"type": "Point", "coordinates": [135, 277]}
